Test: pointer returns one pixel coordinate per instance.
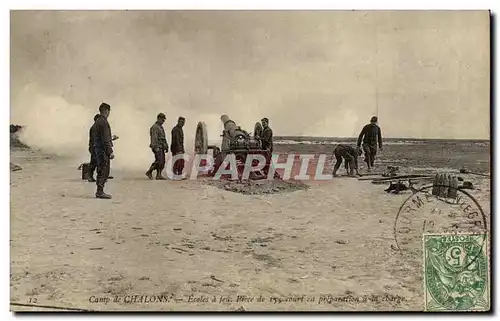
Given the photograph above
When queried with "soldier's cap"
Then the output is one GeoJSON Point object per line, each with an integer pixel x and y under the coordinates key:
{"type": "Point", "coordinates": [181, 118]}
{"type": "Point", "coordinates": [374, 119]}
{"type": "Point", "coordinates": [161, 115]}
{"type": "Point", "coordinates": [265, 119]}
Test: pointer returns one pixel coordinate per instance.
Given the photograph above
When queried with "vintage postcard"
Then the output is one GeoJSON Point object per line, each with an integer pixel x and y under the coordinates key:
{"type": "Point", "coordinates": [250, 161]}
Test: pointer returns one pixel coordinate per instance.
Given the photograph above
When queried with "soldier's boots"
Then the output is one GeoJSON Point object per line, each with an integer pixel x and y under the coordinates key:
{"type": "Point", "coordinates": [100, 194]}
{"type": "Point", "coordinates": [149, 173]}
{"type": "Point", "coordinates": [160, 177]}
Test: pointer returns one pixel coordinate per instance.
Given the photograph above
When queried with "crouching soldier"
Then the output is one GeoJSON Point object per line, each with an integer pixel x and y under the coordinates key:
{"type": "Point", "coordinates": [350, 155]}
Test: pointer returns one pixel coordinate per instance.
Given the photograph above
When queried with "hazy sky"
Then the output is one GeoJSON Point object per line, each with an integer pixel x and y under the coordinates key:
{"type": "Point", "coordinates": [311, 73]}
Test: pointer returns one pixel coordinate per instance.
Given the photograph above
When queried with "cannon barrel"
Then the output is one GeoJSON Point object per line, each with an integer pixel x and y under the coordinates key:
{"type": "Point", "coordinates": [236, 138]}
{"type": "Point", "coordinates": [230, 126]}
{"type": "Point", "coordinates": [235, 141]}
{"type": "Point", "coordinates": [231, 129]}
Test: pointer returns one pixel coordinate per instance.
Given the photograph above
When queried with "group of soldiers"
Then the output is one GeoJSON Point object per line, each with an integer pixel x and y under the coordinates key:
{"type": "Point", "coordinates": [101, 148]}
{"type": "Point", "coordinates": [159, 146]}
{"type": "Point", "coordinates": [370, 136]}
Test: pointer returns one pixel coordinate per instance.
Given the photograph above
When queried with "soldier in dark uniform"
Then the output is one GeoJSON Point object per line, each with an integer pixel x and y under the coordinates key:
{"type": "Point", "coordinates": [103, 148]}
{"type": "Point", "coordinates": [159, 146]}
{"type": "Point", "coordinates": [350, 156]}
{"type": "Point", "coordinates": [370, 135]}
{"type": "Point", "coordinates": [267, 135]}
{"type": "Point", "coordinates": [177, 146]}
{"type": "Point", "coordinates": [93, 161]}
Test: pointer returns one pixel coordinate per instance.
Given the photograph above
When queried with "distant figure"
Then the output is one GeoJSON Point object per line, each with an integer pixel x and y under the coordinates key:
{"type": "Point", "coordinates": [350, 156]}
{"type": "Point", "coordinates": [177, 146]}
{"type": "Point", "coordinates": [370, 135]}
{"type": "Point", "coordinates": [93, 160]}
{"type": "Point", "coordinates": [159, 146]}
{"type": "Point", "coordinates": [267, 135]}
{"type": "Point", "coordinates": [103, 148]}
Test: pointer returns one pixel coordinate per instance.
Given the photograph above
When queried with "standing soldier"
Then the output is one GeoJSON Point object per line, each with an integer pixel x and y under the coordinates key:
{"type": "Point", "coordinates": [267, 135]}
{"type": "Point", "coordinates": [93, 161]}
{"type": "Point", "coordinates": [159, 146]}
{"type": "Point", "coordinates": [370, 135]}
{"type": "Point", "coordinates": [103, 148]}
{"type": "Point", "coordinates": [177, 146]}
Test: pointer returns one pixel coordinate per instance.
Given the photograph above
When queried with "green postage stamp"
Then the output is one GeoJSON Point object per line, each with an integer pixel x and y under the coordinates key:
{"type": "Point", "coordinates": [456, 272]}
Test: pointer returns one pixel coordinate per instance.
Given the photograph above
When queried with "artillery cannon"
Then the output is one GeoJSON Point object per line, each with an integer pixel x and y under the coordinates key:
{"type": "Point", "coordinates": [235, 141]}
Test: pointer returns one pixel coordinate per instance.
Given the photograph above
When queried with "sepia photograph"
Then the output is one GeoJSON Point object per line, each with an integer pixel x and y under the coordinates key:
{"type": "Point", "coordinates": [250, 160]}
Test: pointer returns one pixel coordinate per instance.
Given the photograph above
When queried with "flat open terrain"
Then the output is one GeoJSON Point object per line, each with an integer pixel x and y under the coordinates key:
{"type": "Point", "coordinates": [184, 238]}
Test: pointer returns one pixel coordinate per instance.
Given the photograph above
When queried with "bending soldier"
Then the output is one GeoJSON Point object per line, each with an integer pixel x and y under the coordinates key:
{"type": "Point", "coordinates": [350, 156]}
{"type": "Point", "coordinates": [177, 146]}
{"type": "Point", "coordinates": [159, 146]}
{"type": "Point", "coordinates": [103, 148]}
{"type": "Point", "coordinates": [267, 135]}
{"type": "Point", "coordinates": [370, 135]}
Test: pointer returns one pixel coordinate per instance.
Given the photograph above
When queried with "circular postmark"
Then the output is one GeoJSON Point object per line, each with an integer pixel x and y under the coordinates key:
{"type": "Point", "coordinates": [423, 212]}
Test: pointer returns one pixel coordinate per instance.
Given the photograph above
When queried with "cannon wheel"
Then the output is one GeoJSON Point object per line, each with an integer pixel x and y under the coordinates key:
{"type": "Point", "coordinates": [257, 131]}
{"type": "Point", "coordinates": [201, 139]}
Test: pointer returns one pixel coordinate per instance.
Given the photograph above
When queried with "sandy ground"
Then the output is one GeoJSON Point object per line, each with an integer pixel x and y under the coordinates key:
{"type": "Point", "coordinates": [330, 242]}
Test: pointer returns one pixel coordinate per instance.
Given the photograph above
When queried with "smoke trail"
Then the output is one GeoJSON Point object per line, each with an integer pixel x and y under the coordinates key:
{"type": "Point", "coordinates": [56, 126]}
{"type": "Point", "coordinates": [50, 123]}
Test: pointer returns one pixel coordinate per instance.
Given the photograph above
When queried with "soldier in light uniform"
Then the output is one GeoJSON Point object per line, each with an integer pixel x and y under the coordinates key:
{"type": "Point", "coordinates": [159, 146]}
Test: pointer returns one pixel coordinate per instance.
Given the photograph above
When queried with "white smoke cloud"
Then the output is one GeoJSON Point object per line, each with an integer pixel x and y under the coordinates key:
{"type": "Point", "coordinates": [61, 128]}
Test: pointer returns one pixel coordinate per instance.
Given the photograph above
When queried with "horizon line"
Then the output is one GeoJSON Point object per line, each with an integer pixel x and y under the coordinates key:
{"type": "Point", "coordinates": [355, 137]}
